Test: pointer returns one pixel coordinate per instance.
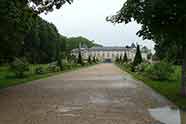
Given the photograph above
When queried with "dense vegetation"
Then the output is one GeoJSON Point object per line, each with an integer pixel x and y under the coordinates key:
{"type": "Point", "coordinates": [163, 21]}
{"type": "Point", "coordinates": [30, 46]}
{"type": "Point", "coordinates": [162, 76]}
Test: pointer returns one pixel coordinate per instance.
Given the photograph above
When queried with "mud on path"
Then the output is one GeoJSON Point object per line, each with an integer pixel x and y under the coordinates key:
{"type": "Point", "coordinates": [100, 94]}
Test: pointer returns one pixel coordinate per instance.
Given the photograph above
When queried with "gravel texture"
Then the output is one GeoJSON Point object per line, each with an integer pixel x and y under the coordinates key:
{"type": "Point", "coordinates": [101, 94]}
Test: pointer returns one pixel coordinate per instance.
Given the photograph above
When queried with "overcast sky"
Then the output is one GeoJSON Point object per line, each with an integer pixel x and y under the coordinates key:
{"type": "Point", "coordinates": [87, 18]}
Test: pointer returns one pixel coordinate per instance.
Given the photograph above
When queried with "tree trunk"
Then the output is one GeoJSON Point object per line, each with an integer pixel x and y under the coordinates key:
{"type": "Point", "coordinates": [183, 81]}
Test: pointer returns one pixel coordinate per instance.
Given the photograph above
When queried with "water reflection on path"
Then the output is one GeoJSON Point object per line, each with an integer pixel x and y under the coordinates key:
{"type": "Point", "coordinates": [168, 115]}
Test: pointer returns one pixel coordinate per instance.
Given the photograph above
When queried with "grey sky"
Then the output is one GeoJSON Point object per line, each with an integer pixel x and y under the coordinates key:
{"type": "Point", "coordinates": [87, 18]}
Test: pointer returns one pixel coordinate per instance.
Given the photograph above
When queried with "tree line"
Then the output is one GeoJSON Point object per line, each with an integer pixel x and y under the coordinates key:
{"type": "Point", "coordinates": [25, 34]}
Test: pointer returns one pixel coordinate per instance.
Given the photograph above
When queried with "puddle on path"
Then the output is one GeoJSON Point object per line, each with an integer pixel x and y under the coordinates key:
{"type": "Point", "coordinates": [168, 115]}
{"type": "Point", "coordinates": [65, 109]}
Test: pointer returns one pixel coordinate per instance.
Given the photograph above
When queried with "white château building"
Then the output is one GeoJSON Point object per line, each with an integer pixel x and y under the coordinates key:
{"type": "Point", "coordinates": [110, 53]}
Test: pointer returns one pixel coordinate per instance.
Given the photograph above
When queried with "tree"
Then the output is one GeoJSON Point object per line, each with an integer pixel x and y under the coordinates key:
{"type": "Point", "coordinates": [120, 59]}
{"type": "Point", "coordinates": [117, 59]}
{"type": "Point", "coordinates": [125, 58]}
{"type": "Point", "coordinates": [73, 43]}
{"type": "Point", "coordinates": [94, 59]}
{"type": "Point", "coordinates": [59, 57]}
{"type": "Point", "coordinates": [39, 6]}
{"type": "Point", "coordinates": [41, 41]}
{"type": "Point", "coordinates": [138, 57]}
{"type": "Point", "coordinates": [163, 21]}
{"type": "Point", "coordinates": [80, 59]}
{"type": "Point", "coordinates": [89, 60]}
{"type": "Point", "coordinates": [16, 20]}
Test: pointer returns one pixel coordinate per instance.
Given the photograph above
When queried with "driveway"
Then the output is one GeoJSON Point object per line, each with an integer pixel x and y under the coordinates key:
{"type": "Point", "coordinates": [101, 94]}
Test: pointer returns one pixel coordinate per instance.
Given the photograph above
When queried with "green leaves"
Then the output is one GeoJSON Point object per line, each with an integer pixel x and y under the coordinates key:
{"type": "Point", "coordinates": [40, 6]}
{"type": "Point", "coordinates": [138, 57]}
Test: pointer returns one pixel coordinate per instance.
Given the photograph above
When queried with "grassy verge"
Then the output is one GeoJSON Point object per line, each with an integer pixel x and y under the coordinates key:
{"type": "Point", "coordinates": [167, 88]}
{"type": "Point", "coordinates": [8, 79]}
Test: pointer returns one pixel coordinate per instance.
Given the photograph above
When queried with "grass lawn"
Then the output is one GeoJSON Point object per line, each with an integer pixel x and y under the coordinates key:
{"type": "Point", "coordinates": [169, 89]}
{"type": "Point", "coordinates": [7, 78]}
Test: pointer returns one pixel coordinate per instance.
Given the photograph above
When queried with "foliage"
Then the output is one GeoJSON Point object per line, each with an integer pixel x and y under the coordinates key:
{"type": "Point", "coordinates": [16, 21]}
{"type": "Point", "coordinates": [172, 53]}
{"type": "Point", "coordinates": [53, 67]}
{"type": "Point", "coordinates": [19, 67]}
{"type": "Point", "coordinates": [125, 58]}
{"type": "Point", "coordinates": [160, 71]}
{"type": "Point", "coordinates": [120, 59]}
{"type": "Point", "coordinates": [80, 59]}
{"type": "Point", "coordinates": [89, 60]}
{"type": "Point", "coordinates": [39, 70]}
{"type": "Point", "coordinates": [42, 42]}
{"type": "Point", "coordinates": [138, 57]}
{"type": "Point", "coordinates": [163, 21]}
{"type": "Point", "coordinates": [74, 42]}
{"type": "Point", "coordinates": [94, 59]}
{"type": "Point", "coordinates": [142, 67]}
{"type": "Point", "coordinates": [7, 77]}
{"type": "Point", "coordinates": [39, 6]}
{"type": "Point", "coordinates": [117, 59]}
{"type": "Point", "coordinates": [168, 88]}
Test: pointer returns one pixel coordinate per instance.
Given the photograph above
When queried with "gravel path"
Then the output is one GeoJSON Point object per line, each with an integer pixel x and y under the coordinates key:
{"type": "Point", "coordinates": [100, 94]}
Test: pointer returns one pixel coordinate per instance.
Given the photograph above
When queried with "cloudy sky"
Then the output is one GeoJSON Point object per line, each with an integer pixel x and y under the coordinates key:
{"type": "Point", "coordinates": [87, 18]}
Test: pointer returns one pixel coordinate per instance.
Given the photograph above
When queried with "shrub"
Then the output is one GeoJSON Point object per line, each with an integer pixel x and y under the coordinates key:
{"type": "Point", "coordinates": [94, 60]}
{"type": "Point", "coordinates": [68, 66]}
{"type": "Point", "coordinates": [160, 71]}
{"type": "Point", "coordinates": [138, 57]}
{"type": "Point", "coordinates": [80, 59]}
{"type": "Point", "coordinates": [141, 67]}
{"type": "Point", "coordinates": [125, 58]}
{"type": "Point", "coordinates": [40, 70]}
{"type": "Point", "coordinates": [53, 68]}
{"type": "Point", "coordinates": [89, 60]}
{"type": "Point", "coordinates": [19, 67]}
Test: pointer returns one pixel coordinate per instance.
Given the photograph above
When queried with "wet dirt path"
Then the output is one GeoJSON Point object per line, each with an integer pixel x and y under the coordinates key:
{"type": "Point", "coordinates": [100, 94]}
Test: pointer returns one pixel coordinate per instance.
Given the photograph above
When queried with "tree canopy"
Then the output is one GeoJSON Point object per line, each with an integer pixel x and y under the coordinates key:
{"type": "Point", "coordinates": [39, 6]}
{"type": "Point", "coordinates": [163, 21]}
{"type": "Point", "coordinates": [74, 42]}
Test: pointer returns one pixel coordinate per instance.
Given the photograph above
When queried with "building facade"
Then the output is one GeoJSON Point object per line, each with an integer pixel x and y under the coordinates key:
{"type": "Point", "coordinates": [109, 53]}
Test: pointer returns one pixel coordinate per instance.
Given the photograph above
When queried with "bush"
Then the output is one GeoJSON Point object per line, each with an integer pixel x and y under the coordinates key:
{"type": "Point", "coordinates": [53, 68]}
{"type": "Point", "coordinates": [68, 66]}
{"type": "Point", "coordinates": [19, 67]}
{"type": "Point", "coordinates": [160, 71]}
{"type": "Point", "coordinates": [141, 67]}
{"type": "Point", "coordinates": [89, 60]}
{"type": "Point", "coordinates": [40, 70]}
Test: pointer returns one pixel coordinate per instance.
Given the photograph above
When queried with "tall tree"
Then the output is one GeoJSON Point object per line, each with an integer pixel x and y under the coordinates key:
{"type": "Point", "coordinates": [80, 59]}
{"type": "Point", "coordinates": [89, 60]}
{"type": "Point", "coordinates": [162, 21]}
{"type": "Point", "coordinates": [125, 58]}
{"type": "Point", "coordinates": [16, 20]}
{"type": "Point", "coordinates": [138, 57]}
